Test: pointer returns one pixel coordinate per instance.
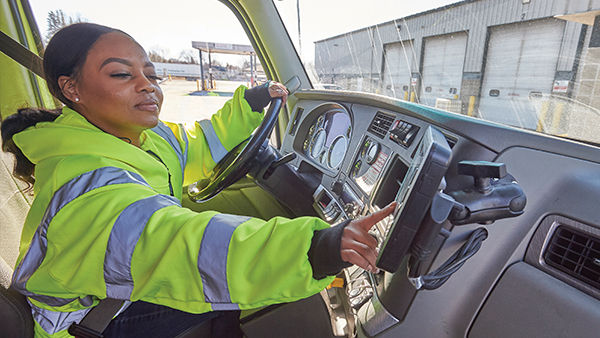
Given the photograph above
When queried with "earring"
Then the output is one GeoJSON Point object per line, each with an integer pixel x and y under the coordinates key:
{"type": "Point", "coordinates": [76, 99]}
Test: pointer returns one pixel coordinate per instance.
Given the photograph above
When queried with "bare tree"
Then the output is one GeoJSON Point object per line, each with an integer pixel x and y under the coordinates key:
{"type": "Point", "coordinates": [188, 56]}
{"type": "Point", "coordinates": [57, 19]}
{"type": "Point", "coordinates": [157, 55]}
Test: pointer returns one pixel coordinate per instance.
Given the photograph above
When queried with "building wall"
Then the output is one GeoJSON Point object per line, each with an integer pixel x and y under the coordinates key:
{"type": "Point", "coordinates": [587, 86]}
{"type": "Point", "coordinates": [341, 58]}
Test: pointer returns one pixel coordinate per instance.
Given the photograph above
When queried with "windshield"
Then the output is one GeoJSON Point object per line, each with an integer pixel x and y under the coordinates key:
{"type": "Point", "coordinates": [528, 64]}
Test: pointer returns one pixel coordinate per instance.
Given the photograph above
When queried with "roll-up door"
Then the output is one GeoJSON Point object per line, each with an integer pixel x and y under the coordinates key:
{"type": "Point", "coordinates": [521, 63]}
{"type": "Point", "coordinates": [397, 69]}
{"type": "Point", "coordinates": [443, 61]}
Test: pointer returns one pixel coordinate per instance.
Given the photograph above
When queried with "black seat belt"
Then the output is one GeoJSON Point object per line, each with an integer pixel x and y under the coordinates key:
{"type": "Point", "coordinates": [92, 325]}
{"type": "Point", "coordinates": [22, 55]}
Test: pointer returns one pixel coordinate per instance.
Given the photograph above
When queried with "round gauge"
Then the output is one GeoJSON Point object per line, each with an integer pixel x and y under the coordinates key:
{"type": "Point", "coordinates": [317, 143]}
{"type": "Point", "coordinates": [372, 152]}
{"type": "Point", "coordinates": [337, 151]}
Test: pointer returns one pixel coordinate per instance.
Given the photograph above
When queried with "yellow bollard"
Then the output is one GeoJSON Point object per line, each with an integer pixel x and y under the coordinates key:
{"type": "Point", "coordinates": [412, 97]}
{"type": "Point", "coordinates": [471, 105]}
{"type": "Point", "coordinates": [542, 118]}
{"type": "Point", "coordinates": [198, 84]}
{"type": "Point", "coordinates": [558, 112]}
{"type": "Point", "coordinates": [405, 96]}
{"type": "Point", "coordinates": [170, 77]}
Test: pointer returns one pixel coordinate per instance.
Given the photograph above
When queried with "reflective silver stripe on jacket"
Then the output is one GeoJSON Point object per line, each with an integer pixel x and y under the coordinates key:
{"type": "Point", "coordinates": [123, 238]}
{"type": "Point", "coordinates": [68, 192]}
{"type": "Point", "coordinates": [212, 259]}
{"type": "Point", "coordinates": [55, 321]}
{"type": "Point", "coordinates": [167, 134]}
{"type": "Point", "coordinates": [217, 150]}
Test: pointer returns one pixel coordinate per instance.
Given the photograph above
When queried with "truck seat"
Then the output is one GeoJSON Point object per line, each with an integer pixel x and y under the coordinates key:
{"type": "Point", "coordinates": [15, 314]}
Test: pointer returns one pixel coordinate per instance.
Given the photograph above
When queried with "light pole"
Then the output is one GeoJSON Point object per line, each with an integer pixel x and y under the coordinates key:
{"type": "Point", "coordinates": [299, 36]}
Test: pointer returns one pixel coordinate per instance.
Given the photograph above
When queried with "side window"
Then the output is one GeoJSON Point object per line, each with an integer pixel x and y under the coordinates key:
{"type": "Point", "coordinates": [175, 37]}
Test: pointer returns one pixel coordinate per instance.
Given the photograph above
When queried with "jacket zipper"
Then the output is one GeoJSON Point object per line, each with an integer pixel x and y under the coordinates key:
{"type": "Point", "coordinates": [168, 172]}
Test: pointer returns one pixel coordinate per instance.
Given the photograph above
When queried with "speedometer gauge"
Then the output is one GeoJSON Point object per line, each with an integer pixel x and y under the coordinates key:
{"type": "Point", "coordinates": [317, 143]}
{"type": "Point", "coordinates": [337, 151]}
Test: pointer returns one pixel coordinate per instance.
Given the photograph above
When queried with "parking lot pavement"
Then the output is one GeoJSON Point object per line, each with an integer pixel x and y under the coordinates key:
{"type": "Point", "coordinates": [179, 106]}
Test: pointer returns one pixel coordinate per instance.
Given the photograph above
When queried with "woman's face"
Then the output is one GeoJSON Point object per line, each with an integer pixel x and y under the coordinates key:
{"type": "Point", "coordinates": [117, 87]}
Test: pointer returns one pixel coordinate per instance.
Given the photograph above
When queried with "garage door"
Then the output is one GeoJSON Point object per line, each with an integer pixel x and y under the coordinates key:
{"type": "Point", "coordinates": [521, 62]}
{"type": "Point", "coordinates": [443, 67]}
{"type": "Point", "coordinates": [398, 65]}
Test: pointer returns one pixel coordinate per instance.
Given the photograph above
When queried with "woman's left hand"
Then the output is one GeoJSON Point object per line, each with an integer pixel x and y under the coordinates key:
{"type": "Point", "coordinates": [276, 89]}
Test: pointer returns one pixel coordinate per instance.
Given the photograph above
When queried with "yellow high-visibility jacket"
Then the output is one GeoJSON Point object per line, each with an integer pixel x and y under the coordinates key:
{"type": "Point", "coordinates": [107, 221]}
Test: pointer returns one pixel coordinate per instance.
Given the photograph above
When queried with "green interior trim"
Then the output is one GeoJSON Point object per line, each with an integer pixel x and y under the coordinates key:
{"type": "Point", "coordinates": [16, 87]}
{"type": "Point", "coordinates": [242, 198]}
{"type": "Point", "coordinates": [46, 99]}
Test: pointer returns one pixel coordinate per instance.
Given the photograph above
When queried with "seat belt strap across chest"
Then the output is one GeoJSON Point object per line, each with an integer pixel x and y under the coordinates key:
{"type": "Point", "coordinates": [22, 55]}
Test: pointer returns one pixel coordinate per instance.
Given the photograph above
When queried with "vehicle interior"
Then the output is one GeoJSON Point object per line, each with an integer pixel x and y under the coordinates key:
{"type": "Point", "coordinates": [497, 233]}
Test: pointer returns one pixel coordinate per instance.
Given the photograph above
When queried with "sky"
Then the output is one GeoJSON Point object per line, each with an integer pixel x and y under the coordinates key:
{"type": "Point", "coordinates": [171, 28]}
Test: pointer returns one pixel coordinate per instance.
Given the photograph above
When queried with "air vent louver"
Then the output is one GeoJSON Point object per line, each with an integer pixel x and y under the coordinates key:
{"type": "Point", "coordinates": [381, 124]}
{"type": "Point", "coordinates": [575, 253]}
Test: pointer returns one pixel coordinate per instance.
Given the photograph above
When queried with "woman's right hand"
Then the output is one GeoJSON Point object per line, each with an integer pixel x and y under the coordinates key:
{"type": "Point", "coordinates": [358, 246]}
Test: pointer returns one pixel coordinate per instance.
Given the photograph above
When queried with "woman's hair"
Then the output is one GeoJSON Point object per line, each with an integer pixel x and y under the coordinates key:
{"type": "Point", "coordinates": [65, 55]}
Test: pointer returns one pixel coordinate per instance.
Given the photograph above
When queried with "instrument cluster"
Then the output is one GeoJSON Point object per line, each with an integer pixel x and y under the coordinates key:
{"type": "Point", "coordinates": [328, 137]}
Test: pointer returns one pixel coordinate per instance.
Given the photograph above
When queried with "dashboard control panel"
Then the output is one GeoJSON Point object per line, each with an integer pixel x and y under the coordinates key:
{"type": "Point", "coordinates": [369, 164]}
{"type": "Point", "coordinates": [353, 205]}
{"type": "Point", "coordinates": [403, 133]}
{"type": "Point", "coordinates": [357, 159]}
{"type": "Point", "coordinates": [327, 206]}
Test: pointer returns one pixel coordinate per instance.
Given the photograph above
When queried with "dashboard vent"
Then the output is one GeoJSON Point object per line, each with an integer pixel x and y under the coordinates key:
{"type": "Point", "coordinates": [575, 253]}
{"type": "Point", "coordinates": [381, 124]}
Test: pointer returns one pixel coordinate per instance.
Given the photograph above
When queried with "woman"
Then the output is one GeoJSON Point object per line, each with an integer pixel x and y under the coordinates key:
{"type": "Point", "coordinates": [107, 220]}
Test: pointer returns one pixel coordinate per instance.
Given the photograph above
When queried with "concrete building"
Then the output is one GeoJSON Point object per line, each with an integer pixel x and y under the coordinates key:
{"type": "Point", "coordinates": [500, 59]}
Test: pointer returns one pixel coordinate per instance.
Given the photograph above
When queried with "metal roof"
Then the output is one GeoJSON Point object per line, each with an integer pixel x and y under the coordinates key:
{"type": "Point", "coordinates": [223, 48]}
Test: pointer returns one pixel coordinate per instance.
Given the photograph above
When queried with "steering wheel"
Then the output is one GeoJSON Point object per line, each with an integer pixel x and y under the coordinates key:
{"type": "Point", "coordinates": [237, 163]}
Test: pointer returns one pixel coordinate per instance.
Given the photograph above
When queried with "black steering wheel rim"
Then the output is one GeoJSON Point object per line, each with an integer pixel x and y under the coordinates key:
{"type": "Point", "coordinates": [238, 161]}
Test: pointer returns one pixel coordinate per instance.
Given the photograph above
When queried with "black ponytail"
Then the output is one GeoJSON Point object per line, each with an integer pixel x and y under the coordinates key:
{"type": "Point", "coordinates": [23, 119]}
{"type": "Point", "coordinates": [65, 55]}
